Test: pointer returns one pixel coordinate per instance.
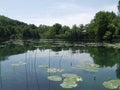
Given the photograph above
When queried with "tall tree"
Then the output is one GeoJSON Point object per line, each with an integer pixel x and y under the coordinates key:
{"type": "Point", "coordinates": [102, 25]}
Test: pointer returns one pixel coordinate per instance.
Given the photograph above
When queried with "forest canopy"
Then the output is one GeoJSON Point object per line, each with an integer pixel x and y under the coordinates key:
{"type": "Point", "coordinates": [103, 28]}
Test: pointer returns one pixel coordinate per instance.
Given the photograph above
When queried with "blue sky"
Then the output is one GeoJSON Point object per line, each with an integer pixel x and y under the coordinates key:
{"type": "Point", "coordinates": [49, 12]}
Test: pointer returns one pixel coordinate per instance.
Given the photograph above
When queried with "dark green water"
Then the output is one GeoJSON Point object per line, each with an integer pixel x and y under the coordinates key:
{"type": "Point", "coordinates": [31, 77]}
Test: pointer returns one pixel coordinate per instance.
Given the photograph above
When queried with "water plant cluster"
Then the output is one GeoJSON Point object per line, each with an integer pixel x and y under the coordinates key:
{"type": "Point", "coordinates": [70, 80]}
{"type": "Point", "coordinates": [20, 63]}
{"type": "Point", "coordinates": [54, 70]}
{"type": "Point", "coordinates": [88, 67]}
{"type": "Point", "coordinates": [112, 84]}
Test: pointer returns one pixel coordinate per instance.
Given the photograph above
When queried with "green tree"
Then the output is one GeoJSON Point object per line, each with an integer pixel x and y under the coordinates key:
{"type": "Point", "coordinates": [57, 28]}
{"type": "Point", "coordinates": [101, 24]}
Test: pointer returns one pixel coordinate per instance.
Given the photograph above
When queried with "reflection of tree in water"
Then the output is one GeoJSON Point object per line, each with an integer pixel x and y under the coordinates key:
{"type": "Point", "coordinates": [103, 56]}
{"type": "Point", "coordinates": [56, 48]}
{"type": "Point", "coordinates": [26, 71]}
{"type": "Point", "coordinates": [49, 67]}
{"type": "Point", "coordinates": [10, 49]}
{"type": "Point", "coordinates": [106, 57]}
{"type": "Point", "coordinates": [36, 76]}
{"type": "Point", "coordinates": [1, 85]}
{"type": "Point", "coordinates": [118, 71]}
{"type": "Point", "coordinates": [28, 68]}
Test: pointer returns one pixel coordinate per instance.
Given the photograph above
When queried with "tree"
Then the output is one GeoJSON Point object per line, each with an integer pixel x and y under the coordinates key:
{"type": "Point", "coordinates": [13, 29]}
{"type": "Point", "coordinates": [64, 29]}
{"type": "Point", "coordinates": [102, 23]}
{"type": "Point", "coordinates": [57, 28]}
{"type": "Point", "coordinates": [43, 29]}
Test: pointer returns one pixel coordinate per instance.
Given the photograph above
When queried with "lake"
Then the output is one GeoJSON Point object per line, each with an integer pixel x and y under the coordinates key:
{"type": "Point", "coordinates": [29, 66]}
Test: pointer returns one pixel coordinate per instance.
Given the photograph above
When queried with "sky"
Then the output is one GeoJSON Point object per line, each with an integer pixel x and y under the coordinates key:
{"type": "Point", "coordinates": [49, 12]}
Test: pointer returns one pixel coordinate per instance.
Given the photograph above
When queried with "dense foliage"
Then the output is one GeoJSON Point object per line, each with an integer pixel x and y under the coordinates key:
{"type": "Point", "coordinates": [13, 29]}
{"type": "Point", "coordinates": [104, 27]}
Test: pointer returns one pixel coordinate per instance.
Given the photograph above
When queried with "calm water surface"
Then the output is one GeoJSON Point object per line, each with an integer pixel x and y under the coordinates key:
{"type": "Point", "coordinates": [31, 77]}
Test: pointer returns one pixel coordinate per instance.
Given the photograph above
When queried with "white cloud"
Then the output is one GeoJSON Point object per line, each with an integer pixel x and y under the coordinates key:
{"type": "Point", "coordinates": [67, 6]}
{"type": "Point", "coordinates": [80, 16]}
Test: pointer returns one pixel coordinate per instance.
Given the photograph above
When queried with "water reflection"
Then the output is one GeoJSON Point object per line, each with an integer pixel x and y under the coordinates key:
{"type": "Point", "coordinates": [35, 67]}
{"type": "Point", "coordinates": [54, 55]}
{"type": "Point", "coordinates": [26, 69]}
{"type": "Point", "coordinates": [1, 86]}
{"type": "Point", "coordinates": [105, 56]}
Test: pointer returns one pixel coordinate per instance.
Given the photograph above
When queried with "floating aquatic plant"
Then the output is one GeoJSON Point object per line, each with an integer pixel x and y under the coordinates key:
{"type": "Point", "coordinates": [54, 70]}
{"type": "Point", "coordinates": [68, 84]}
{"type": "Point", "coordinates": [70, 80]}
{"type": "Point", "coordinates": [72, 77]}
{"type": "Point", "coordinates": [43, 66]}
{"type": "Point", "coordinates": [68, 75]}
{"type": "Point", "coordinates": [88, 67]}
{"type": "Point", "coordinates": [18, 63]}
{"type": "Point", "coordinates": [112, 84]}
{"type": "Point", "coordinates": [54, 78]}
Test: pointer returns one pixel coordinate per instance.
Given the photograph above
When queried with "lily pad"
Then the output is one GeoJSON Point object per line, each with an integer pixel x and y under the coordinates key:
{"type": "Point", "coordinates": [55, 78]}
{"type": "Point", "coordinates": [68, 84]}
{"type": "Point", "coordinates": [88, 67]}
{"type": "Point", "coordinates": [73, 77]}
{"type": "Point", "coordinates": [43, 66]}
{"type": "Point", "coordinates": [69, 75]}
{"type": "Point", "coordinates": [70, 80]}
{"type": "Point", "coordinates": [112, 84]}
{"type": "Point", "coordinates": [18, 63]}
{"type": "Point", "coordinates": [54, 70]}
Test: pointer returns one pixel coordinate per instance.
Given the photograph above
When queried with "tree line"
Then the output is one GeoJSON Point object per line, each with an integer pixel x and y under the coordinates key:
{"type": "Point", "coordinates": [105, 27]}
{"type": "Point", "coordinates": [13, 29]}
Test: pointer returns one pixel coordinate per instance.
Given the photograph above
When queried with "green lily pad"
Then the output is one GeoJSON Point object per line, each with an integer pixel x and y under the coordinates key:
{"type": "Point", "coordinates": [55, 78]}
{"type": "Point", "coordinates": [68, 84]}
{"type": "Point", "coordinates": [112, 84]}
{"type": "Point", "coordinates": [69, 75]}
{"type": "Point", "coordinates": [54, 70]}
{"type": "Point", "coordinates": [70, 80]}
{"type": "Point", "coordinates": [88, 67]}
{"type": "Point", "coordinates": [18, 63]}
{"type": "Point", "coordinates": [43, 66]}
{"type": "Point", "coordinates": [74, 77]}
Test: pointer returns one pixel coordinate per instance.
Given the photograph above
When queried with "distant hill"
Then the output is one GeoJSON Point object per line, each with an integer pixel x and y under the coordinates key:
{"type": "Point", "coordinates": [7, 21]}
{"type": "Point", "coordinates": [13, 29]}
